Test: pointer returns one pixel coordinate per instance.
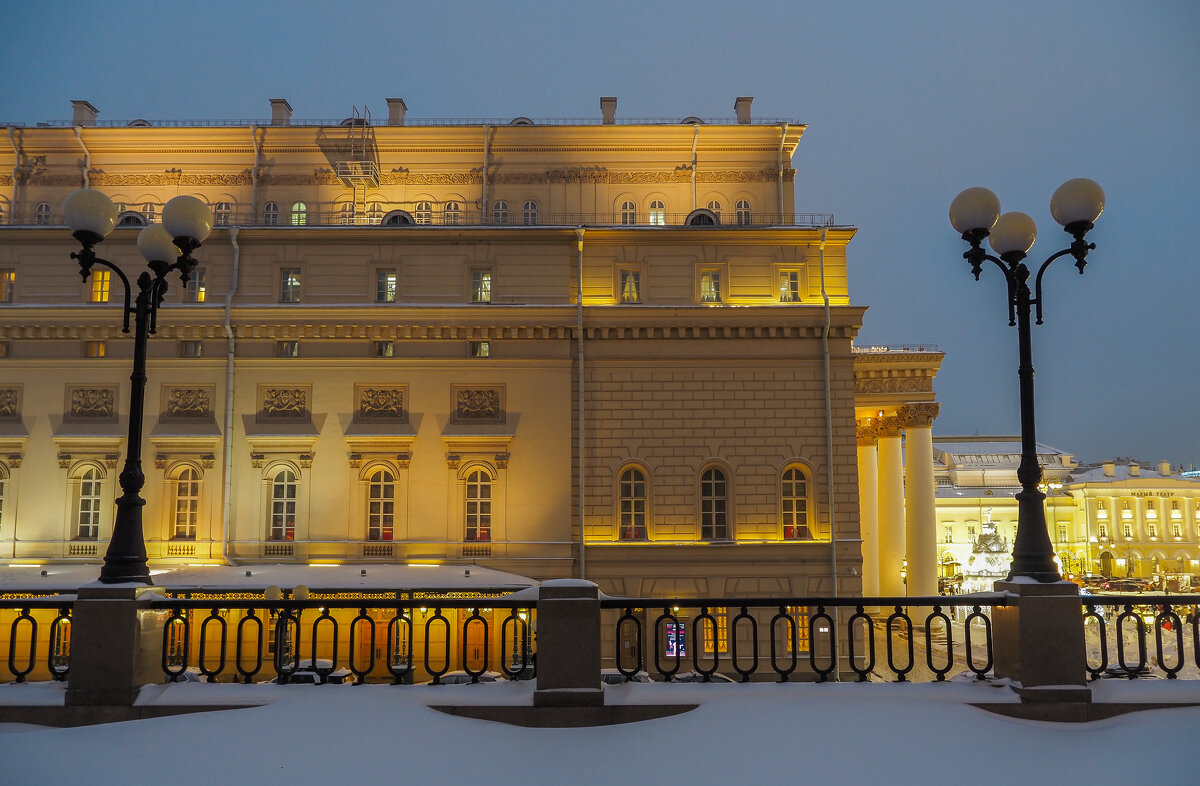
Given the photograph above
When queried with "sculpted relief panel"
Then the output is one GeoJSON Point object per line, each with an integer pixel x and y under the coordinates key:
{"type": "Point", "coordinates": [478, 404]}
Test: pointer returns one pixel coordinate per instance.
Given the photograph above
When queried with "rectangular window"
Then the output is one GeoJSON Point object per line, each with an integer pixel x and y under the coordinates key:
{"type": "Point", "coordinates": [94, 349]}
{"type": "Point", "coordinates": [384, 349]}
{"type": "Point", "coordinates": [385, 286]}
{"type": "Point", "coordinates": [1176, 530]}
{"type": "Point", "coordinates": [8, 285]}
{"type": "Point", "coordinates": [191, 349]}
{"type": "Point", "coordinates": [789, 286]}
{"type": "Point", "coordinates": [289, 285]}
{"type": "Point", "coordinates": [1127, 531]}
{"type": "Point", "coordinates": [1152, 530]}
{"type": "Point", "coordinates": [1062, 533]}
{"type": "Point", "coordinates": [101, 280]}
{"type": "Point", "coordinates": [287, 349]}
{"type": "Point", "coordinates": [971, 533]}
{"type": "Point", "coordinates": [631, 291]}
{"type": "Point", "coordinates": [1103, 532]}
{"type": "Point", "coordinates": [721, 615]}
{"type": "Point", "coordinates": [949, 533]}
{"type": "Point", "coordinates": [481, 286]}
{"type": "Point", "coordinates": [710, 286]}
{"type": "Point", "coordinates": [480, 349]}
{"type": "Point", "coordinates": [799, 641]}
{"type": "Point", "coordinates": [196, 287]}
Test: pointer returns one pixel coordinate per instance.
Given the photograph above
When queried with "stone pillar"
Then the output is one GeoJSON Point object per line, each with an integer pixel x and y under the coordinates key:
{"type": "Point", "coordinates": [920, 520]}
{"type": "Point", "coordinates": [1038, 641]}
{"type": "Point", "coordinates": [116, 644]}
{"type": "Point", "coordinates": [891, 508]}
{"type": "Point", "coordinates": [568, 645]}
{"type": "Point", "coordinates": [868, 504]}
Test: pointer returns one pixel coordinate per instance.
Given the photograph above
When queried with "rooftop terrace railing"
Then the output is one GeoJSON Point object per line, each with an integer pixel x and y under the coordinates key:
{"type": "Point", "coordinates": [409, 121]}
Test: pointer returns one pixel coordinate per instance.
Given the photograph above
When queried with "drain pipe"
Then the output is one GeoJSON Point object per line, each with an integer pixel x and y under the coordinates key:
{"type": "Point", "coordinates": [833, 539]}
{"type": "Point", "coordinates": [227, 490]}
{"type": "Point", "coordinates": [87, 156]}
{"type": "Point", "coordinates": [783, 127]}
{"type": "Point", "coordinates": [579, 404]}
{"type": "Point", "coordinates": [695, 139]}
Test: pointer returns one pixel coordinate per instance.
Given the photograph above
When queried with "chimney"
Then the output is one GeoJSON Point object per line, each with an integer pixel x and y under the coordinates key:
{"type": "Point", "coordinates": [281, 112]}
{"type": "Point", "coordinates": [1135, 470]}
{"type": "Point", "coordinates": [397, 109]}
{"type": "Point", "coordinates": [608, 109]}
{"type": "Point", "coordinates": [85, 113]}
{"type": "Point", "coordinates": [741, 105]}
{"type": "Point", "coordinates": [1164, 468]}
{"type": "Point", "coordinates": [1110, 469]}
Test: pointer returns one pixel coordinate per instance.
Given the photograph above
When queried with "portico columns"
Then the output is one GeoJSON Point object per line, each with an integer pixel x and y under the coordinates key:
{"type": "Point", "coordinates": [891, 508]}
{"type": "Point", "coordinates": [919, 503]}
{"type": "Point", "coordinates": [868, 504]}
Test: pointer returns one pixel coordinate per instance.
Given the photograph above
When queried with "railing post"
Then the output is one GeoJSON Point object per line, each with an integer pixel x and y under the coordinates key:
{"type": "Point", "coordinates": [116, 644]}
{"type": "Point", "coordinates": [1039, 641]}
{"type": "Point", "coordinates": [568, 645]}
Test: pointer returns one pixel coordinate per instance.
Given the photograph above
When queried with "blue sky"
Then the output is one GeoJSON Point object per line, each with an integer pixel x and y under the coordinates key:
{"type": "Point", "coordinates": [907, 104]}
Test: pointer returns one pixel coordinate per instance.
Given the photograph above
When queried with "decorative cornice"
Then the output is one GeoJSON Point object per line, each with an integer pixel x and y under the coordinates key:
{"type": "Point", "coordinates": [867, 431]}
{"type": "Point", "coordinates": [893, 385]}
{"type": "Point", "coordinates": [919, 415]}
{"type": "Point", "coordinates": [889, 426]}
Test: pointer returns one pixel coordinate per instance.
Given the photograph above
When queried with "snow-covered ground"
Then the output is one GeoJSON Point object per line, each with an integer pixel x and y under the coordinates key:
{"type": "Point", "coordinates": [740, 734]}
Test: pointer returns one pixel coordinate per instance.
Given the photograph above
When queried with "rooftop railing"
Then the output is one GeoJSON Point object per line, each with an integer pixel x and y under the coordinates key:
{"type": "Point", "coordinates": [409, 121]}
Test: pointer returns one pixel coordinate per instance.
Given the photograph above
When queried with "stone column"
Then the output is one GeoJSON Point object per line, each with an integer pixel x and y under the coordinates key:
{"type": "Point", "coordinates": [568, 645]}
{"type": "Point", "coordinates": [868, 504]}
{"type": "Point", "coordinates": [919, 504]}
{"type": "Point", "coordinates": [891, 508]}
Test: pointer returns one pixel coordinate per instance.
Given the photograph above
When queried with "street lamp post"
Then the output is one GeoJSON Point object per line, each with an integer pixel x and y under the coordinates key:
{"type": "Point", "coordinates": [167, 247]}
{"type": "Point", "coordinates": [975, 213]}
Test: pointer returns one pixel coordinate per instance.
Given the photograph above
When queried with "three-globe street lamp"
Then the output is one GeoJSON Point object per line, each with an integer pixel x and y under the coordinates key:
{"type": "Point", "coordinates": [186, 222]}
{"type": "Point", "coordinates": [975, 213]}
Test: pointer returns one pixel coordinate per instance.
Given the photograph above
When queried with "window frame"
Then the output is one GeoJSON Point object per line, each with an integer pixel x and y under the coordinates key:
{"type": "Point", "coordinates": [656, 213]}
{"type": "Point", "coordinates": [381, 523]}
{"type": "Point", "coordinates": [628, 527]}
{"type": "Point", "coordinates": [481, 284]}
{"type": "Point", "coordinates": [88, 501]}
{"type": "Point", "coordinates": [500, 212]}
{"type": "Point", "coordinates": [196, 289]}
{"type": "Point", "coordinates": [41, 214]}
{"type": "Point", "coordinates": [298, 214]}
{"type": "Point", "coordinates": [8, 284]}
{"type": "Point", "coordinates": [281, 521]}
{"type": "Point", "coordinates": [529, 213]}
{"type": "Point", "coordinates": [192, 501]}
{"type": "Point", "coordinates": [623, 275]}
{"type": "Point", "coordinates": [713, 505]}
{"type": "Point", "coordinates": [291, 284]}
{"type": "Point", "coordinates": [222, 213]}
{"type": "Point", "coordinates": [271, 214]}
{"type": "Point", "coordinates": [387, 284]}
{"type": "Point", "coordinates": [790, 527]}
{"type": "Point", "coordinates": [481, 530]}
{"type": "Point", "coordinates": [628, 213]}
{"type": "Point", "coordinates": [706, 294]}
{"type": "Point", "coordinates": [743, 213]}
{"type": "Point", "coordinates": [100, 286]}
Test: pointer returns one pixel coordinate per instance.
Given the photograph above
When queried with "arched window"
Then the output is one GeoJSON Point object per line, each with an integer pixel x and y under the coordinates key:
{"type": "Point", "coordinates": [130, 218]}
{"type": "Point", "coordinates": [187, 504]}
{"type": "Point", "coordinates": [150, 211]}
{"type": "Point", "coordinates": [299, 214]}
{"type": "Point", "coordinates": [452, 213]}
{"type": "Point", "coordinates": [41, 214]}
{"type": "Point", "coordinates": [715, 206]}
{"type": "Point", "coordinates": [529, 212]}
{"type": "Point", "coordinates": [397, 218]}
{"type": "Point", "coordinates": [658, 213]}
{"type": "Point", "coordinates": [743, 213]}
{"type": "Point", "coordinates": [793, 505]}
{"type": "Point", "coordinates": [271, 214]}
{"type": "Point", "coordinates": [424, 213]}
{"type": "Point", "coordinates": [714, 505]}
{"type": "Point", "coordinates": [87, 507]}
{"type": "Point", "coordinates": [381, 505]}
{"type": "Point", "coordinates": [283, 506]}
{"type": "Point", "coordinates": [347, 213]}
{"type": "Point", "coordinates": [628, 213]}
{"type": "Point", "coordinates": [702, 217]}
{"type": "Point", "coordinates": [222, 214]}
{"type": "Point", "coordinates": [633, 504]}
{"type": "Point", "coordinates": [479, 506]}
{"type": "Point", "coordinates": [500, 212]}
{"type": "Point", "coordinates": [375, 213]}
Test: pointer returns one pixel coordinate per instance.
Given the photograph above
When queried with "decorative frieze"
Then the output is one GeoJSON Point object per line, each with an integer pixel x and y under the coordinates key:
{"type": "Point", "coordinates": [97, 177]}
{"type": "Point", "coordinates": [381, 402]}
{"type": "Point", "coordinates": [91, 403]}
{"type": "Point", "coordinates": [10, 403]}
{"type": "Point", "coordinates": [478, 404]}
{"type": "Point", "coordinates": [920, 384]}
{"type": "Point", "coordinates": [283, 403]}
{"type": "Point", "coordinates": [189, 402]}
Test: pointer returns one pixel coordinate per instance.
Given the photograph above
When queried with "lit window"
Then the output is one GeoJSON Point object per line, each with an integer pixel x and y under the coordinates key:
{"type": "Point", "coordinates": [287, 349]}
{"type": "Point", "coordinates": [789, 286]}
{"type": "Point", "coordinates": [628, 213]}
{"type": "Point", "coordinates": [971, 532]}
{"type": "Point", "coordinates": [191, 349]}
{"type": "Point", "coordinates": [299, 214]}
{"type": "Point", "coordinates": [1103, 531]}
{"type": "Point", "coordinates": [381, 505]}
{"type": "Point", "coordinates": [658, 213]}
{"type": "Point", "coordinates": [1062, 533]}
{"type": "Point", "coordinates": [713, 505]}
{"type": "Point", "coordinates": [481, 286]}
{"type": "Point", "coordinates": [478, 506]}
{"type": "Point", "coordinates": [424, 213]}
{"type": "Point", "coordinates": [715, 207]}
{"type": "Point", "coordinates": [799, 641]}
{"type": "Point", "coordinates": [283, 506]}
{"type": "Point", "coordinates": [793, 497]}
{"type": "Point", "coordinates": [347, 213]}
{"type": "Point", "coordinates": [1176, 530]}
{"type": "Point", "coordinates": [385, 286]}
{"type": "Point", "coordinates": [633, 504]}
{"type": "Point", "coordinates": [949, 533]}
{"type": "Point", "coordinates": [1152, 530]}
{"type": "Point", "coordinates": [630, 287]}
{"type": "Point", "coordinates": [222, 214]}
{"type": "Point", "coordinates": [94, 349]}
{"type": "Point", "coordinates": [101, 280]}
{"type": "Point", "coordinates": [743, 213]}
{"type": "Point", "coordinates": [480, 349]}
{"type": "Point", "coordinates": [1127, 531]}
{"type": "Point", "coordinates": [500, 212]}
{"type": "Point", "coordinates": [529, 212]}
{"type": "Point", "coordinates": [87, 508]}
{"type": "Point", "coordinates": [289, 285]}
{"type": "Point", "coordinates": [452, 213]}
{"type": "Point", "coordinates": [196, 288]}
{"type": "Point", "coordinates": [384, 349]}
{"type": "Point", "coordinates": [41, 214]}
{"type": "Point", "coordinates": [271, 214]}
{"type": "Point", "coordinates": [187, 504]}
{"type": "Point", "coordinates": [1151, 512]}
{"type": "Point", "coordinates": [710, 286]}
{"type": "Point", "coordinates": [720, 615]}
{"type": "Point", "coordinates": [8, 285]}
{"type": "Point", "coordinates": [150, 211]}
{"type": "Point", "coordinates": [375, 213]}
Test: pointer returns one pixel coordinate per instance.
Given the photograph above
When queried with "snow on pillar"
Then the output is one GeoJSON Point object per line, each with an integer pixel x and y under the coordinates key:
{"type": "Point", "coordinates": [920, 514]}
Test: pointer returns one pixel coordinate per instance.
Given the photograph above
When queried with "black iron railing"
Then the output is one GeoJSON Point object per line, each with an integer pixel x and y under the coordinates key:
{"type": "Point", "coordinates": [1115, 628]}
{"type": "Point", "coordinates": [39, 636]}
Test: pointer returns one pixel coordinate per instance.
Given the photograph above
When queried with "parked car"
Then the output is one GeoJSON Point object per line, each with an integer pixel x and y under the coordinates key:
{"type": "Point", "coordinates": [695, 676]}
{"type": "Point", "coordinates": [615, 677]}
{"type": "Point", "coordinates": [462, 678]}
{"type": "Point", "coordinates": [306, 674]}
{"type": "Point", "coordinates": [1122, 673]}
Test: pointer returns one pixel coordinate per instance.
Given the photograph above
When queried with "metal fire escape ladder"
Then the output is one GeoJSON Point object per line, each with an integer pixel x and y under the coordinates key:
{"type": "Point", "coordinates": [360, 171]}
